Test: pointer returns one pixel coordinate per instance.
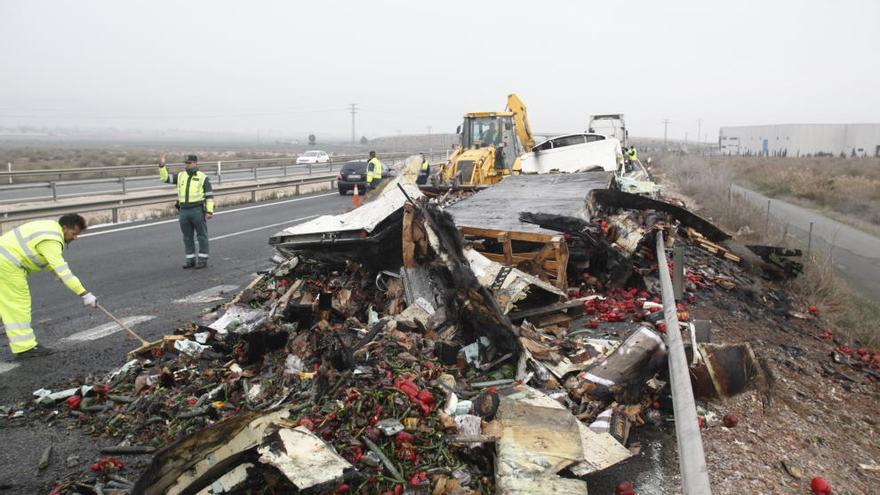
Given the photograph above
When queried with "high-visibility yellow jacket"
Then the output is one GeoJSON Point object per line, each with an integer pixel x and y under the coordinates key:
{"type": "Point", "coordinates": [374, 169]}
{"type": "Point", "coordinates": [632, 154]}
{"type": "Point", "coordinates": [192, 190]}
{"type": "Point", "coordinates": [36, 246]}
{"type": "Point", "coordinates": [426, 166]}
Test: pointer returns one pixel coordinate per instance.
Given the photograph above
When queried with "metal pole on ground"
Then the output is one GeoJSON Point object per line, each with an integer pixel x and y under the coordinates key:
{"type": "Point", "coordinates": [9, 169]}
{"type": "Point", "coordinates": [691, 458]}
{"type": "Point", "coordinates": [767, 223]}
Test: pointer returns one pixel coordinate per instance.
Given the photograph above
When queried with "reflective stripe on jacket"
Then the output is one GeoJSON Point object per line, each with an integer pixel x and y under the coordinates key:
{"type": "Point", "coordinates": [36, 246]}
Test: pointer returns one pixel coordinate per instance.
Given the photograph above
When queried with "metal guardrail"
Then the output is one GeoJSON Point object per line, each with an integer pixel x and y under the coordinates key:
{"type": "Point", "coordinates": [164, 197]}
{"type": "Point", "coordinates": [205, 165]}
{"type": "Point", "coordinates": [691, 458]}
{"type": "Point", "coordinates": [268, 165]}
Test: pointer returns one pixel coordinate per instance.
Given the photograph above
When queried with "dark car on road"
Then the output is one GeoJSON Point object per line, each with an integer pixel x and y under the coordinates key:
{"type": "Point", "coordinates": [356, 173]}
{"type": "Point", "coordinates": [352, 173]}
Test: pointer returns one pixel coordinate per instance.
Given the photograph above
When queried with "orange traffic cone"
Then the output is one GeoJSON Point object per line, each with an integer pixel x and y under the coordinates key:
{"type": "Point", "coordinates": [356, 199]}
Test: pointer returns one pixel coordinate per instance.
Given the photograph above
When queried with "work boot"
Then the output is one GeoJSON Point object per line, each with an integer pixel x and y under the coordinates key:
{"type": "Point", "coordinates": [38, 351]}
{"type": "Point", "coordinates": [190, 263]}
{"type": "Point", "coordinates": [202, 263]}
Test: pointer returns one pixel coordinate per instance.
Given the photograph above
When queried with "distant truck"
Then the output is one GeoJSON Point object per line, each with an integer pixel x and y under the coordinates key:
{"type": "Point", "coordinates": [611, 125]}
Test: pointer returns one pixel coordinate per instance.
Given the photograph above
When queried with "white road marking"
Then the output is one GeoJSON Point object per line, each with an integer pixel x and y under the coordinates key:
{"type": "Point", "coordinates": [207, 295]}
{"type": "Point", "coordinates": [121, 229]}
{"type": "Point", "coordinates": [106, 329]}
{"type": "Point", "coordinates": [248, 231]}
{"type": "Point", "coordinates": [4, 367]}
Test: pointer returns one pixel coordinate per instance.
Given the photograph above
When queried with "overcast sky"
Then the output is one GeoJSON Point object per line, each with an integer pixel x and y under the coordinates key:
{"type": "Point", "coordinates": [290, 68]}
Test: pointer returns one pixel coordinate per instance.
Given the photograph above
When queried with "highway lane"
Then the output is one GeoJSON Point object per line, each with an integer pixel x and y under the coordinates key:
{"type": "Point", "coordinates": [135, 270]}
{"type": "Point", "coordinates": [141, 183]}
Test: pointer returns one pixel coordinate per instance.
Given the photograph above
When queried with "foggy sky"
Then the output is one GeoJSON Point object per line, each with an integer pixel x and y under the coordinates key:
{"type": "Point", "coordinates": [285, 68]}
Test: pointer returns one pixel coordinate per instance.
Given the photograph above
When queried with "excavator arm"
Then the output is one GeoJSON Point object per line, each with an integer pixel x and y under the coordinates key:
{"type": "Point", "coordinates": [521, 120]}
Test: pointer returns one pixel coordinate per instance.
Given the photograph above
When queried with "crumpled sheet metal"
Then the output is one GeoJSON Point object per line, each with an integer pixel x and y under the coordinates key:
{"type": "Point", "coordinates": [540, 438]}
{"type": "Point", "coordinates": [303, 458]}
{"type": "Point", "coordinates": [516, 286]}
{"type": "Point", "coordinates": [238, 319]}
{"type": "Point", "coordinates": [364, 218]}
{"type": "Point", "coordinates": [638, 355]}
{"type": "Point", "coordinates": [195, 461]}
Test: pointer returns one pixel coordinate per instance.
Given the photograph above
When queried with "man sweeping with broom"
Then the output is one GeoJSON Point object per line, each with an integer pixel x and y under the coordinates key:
{"type": "Point", "coordinates": [28, 248]}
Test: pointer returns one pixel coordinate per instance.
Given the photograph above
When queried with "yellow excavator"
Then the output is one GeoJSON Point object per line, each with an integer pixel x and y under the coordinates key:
{"type": "Point", "coordinates": [491, 146]}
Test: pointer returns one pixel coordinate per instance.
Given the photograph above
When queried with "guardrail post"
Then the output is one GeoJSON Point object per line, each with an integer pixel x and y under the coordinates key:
{"type": "Point", "coordinates": [219, 172]}
{"type": "Point", "coordinates": [310, 169]}
{"type": "Point", "coordinates": [115, 215]}
{"type": "Point", "coordinates": [254, 196]}
{"type": "Point", "coordinates": [122, 179]}
{"type": "Point", "coordinates": [9, 169]}
{"type": "Point", "coordinates": [284, 170]}
{"type": "Point", "coordinates": [255, 173]}
{"type": "Point", "coordinates": [54, 190]}
{"type": "Point", "coordinates": [810, 240]}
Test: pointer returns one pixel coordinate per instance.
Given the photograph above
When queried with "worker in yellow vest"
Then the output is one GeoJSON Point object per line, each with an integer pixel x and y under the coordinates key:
{"type": "Point", "coordinates": [195, 202]}
{"type": "Point", "coordinates": [374, 171]}
{"type": "Point", "coordinates": [424, 171]}
{"type": "Point", "coordinates": [632, 155]}
{"type": "Point", "coordinates": [28, 248]}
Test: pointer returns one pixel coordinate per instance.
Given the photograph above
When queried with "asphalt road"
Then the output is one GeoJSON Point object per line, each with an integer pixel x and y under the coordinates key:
{"type": "Point", "coordinates": [141, 183]}
{"type": "Point", "coordinates": [855, 254]}
{"type": "Point", "coordinates": [135, 270]}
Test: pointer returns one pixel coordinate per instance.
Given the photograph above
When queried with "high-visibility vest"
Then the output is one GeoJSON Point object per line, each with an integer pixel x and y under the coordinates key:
{"type": "Point", "coordinates": [19, 247]}
{"type": "Point", "coordinates": [190, 188]}
{"type": "Point", "coordinates": [632, 154]}
{"type": "Point", "coordinates": [376, 172]}
{"type": "Point", "coordinates": [425, 166]}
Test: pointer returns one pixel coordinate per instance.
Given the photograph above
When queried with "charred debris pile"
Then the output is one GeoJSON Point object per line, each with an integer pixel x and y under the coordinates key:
{"type": "Point", "coordinates": [398, 348]}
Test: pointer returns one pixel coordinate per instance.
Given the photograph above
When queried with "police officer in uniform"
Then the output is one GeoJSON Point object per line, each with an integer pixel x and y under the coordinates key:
{"type": "Point", "coordinates": [195, 200]}
{"type": "Point", "coordinates": [374, 171]}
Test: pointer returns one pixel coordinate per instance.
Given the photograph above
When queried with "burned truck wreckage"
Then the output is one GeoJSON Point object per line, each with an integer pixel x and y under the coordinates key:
{"type": "Point", "coordinates": [507, 340]}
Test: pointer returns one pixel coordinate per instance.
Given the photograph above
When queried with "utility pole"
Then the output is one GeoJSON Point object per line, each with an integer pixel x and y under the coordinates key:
{"type": "Point", "coordinates": [353, 110]}
{"type": "Point", "coordinates": [665, 128]}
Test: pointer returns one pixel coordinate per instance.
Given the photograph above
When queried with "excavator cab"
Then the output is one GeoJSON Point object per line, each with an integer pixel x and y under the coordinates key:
{"type": "Point", "coordinates": [491, 144]}
{"type": "Point", "coordinates": [497, 131]}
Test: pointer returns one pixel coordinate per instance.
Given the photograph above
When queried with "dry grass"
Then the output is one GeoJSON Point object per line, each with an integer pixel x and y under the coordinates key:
{"type": "Point", "coordinates": [846, 186]}
{"type": "Point", "coordinates": [706, 182]}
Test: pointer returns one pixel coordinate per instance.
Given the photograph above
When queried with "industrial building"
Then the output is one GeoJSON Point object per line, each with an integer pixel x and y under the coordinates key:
{"type": "Point", "coordinates": [801, 140]}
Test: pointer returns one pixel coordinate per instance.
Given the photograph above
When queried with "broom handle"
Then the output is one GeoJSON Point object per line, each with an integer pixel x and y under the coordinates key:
{"type": "Point", "coordinates": [122, 325]}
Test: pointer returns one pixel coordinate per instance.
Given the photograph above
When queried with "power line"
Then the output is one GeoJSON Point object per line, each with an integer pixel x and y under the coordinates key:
{"type": "Point", "coordinates": [353, 110]}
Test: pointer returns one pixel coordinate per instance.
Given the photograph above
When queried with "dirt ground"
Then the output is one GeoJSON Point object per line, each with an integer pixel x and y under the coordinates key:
{"type": "Point", "coordinates": [819, 417]}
